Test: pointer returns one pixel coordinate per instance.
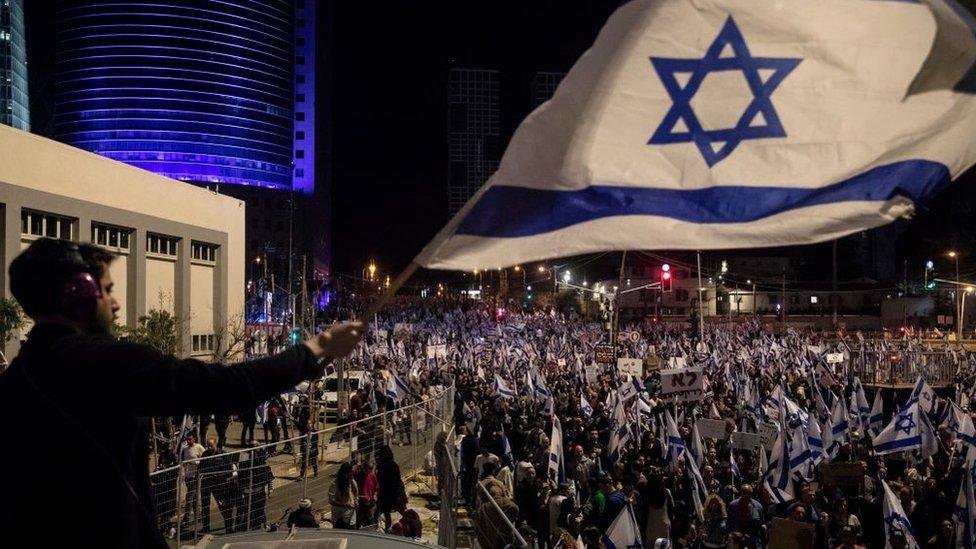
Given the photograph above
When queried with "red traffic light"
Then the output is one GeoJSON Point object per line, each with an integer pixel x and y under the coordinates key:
{"type": "Point", "coordinates": [666, 275]}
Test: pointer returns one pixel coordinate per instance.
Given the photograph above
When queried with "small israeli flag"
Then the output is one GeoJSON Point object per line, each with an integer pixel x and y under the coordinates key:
{"type": "Point", "coordinates": [623, 532]}
{"type": "Point", "coordinates": [502, 389]}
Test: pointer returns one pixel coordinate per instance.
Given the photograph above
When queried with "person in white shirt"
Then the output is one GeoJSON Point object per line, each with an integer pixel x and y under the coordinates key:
{"type": "Point", "coordinates": [189, 454]}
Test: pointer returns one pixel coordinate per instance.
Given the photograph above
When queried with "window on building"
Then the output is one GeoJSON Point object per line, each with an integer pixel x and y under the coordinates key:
{"type": "Point", "coordinates": [299, 59]}
{"type": "Point", "coordinates": [161, 244]}
{"type": "Point", "coordinates": [201, 251]}
{"type": "Point", "coordinates": [203, 343]}
{"type": "Point", "coordinates": [299, 172]}
{"type": "Point", "coordinates": [300, 23]}
{"type": "Point", "coordinates": [814, 300]}
{"type": "Point", "coordinates": [299, 78]}
{"type": "Point", "coordinates": [300, 41]}
{"type": "Point", "coordinates": [110, 236]}
{"type": "Point", "coordinates": [299, 97]}
{"type": "Point", "coordinates": [299, 135]}
{"type": "Point", "coordinates": [33, 223]}
{"type": "Point", "coordinates": [299, 116]}
{"type": "Point", "coordinates": [299, 153]}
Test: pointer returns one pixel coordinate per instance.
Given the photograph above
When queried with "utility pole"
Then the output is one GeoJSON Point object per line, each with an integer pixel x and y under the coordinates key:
{"type": "Point", "coordinates": [701, 313]}
{"type": "Point", "coordinates": [616, 300]}
{"type": "Point", "coordinates": [834, 297]}
{"type": "Point", "coordinates": [783, 293]}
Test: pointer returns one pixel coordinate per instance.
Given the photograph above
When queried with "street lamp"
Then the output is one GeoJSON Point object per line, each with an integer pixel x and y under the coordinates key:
{"type": "Point", "coordinates": [371, 269]}
{"type": "Point", "coordinates": [955, 256]}
{"type": "Point", "coordinates": [567, 277]}
{"type": "Point", "coordinates": [542, 268]}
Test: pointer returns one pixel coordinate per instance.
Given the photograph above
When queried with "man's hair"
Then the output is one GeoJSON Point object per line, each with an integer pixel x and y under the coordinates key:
{"type": "Point", "coordinates": [39, 272]}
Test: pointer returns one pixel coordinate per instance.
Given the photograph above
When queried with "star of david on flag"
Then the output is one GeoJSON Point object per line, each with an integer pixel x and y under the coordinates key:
{"type": "Point", "coordinates": [758, 121]}
{"type": "Point", "coordinates": [723, 125]}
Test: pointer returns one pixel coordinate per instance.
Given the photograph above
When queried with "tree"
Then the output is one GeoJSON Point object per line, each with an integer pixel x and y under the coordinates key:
{"type": "Point", "coordinates": [229, 339]}
{"type": "Point", "coordinates": [12, 319]}
{"type": "Point", "coordinates": [160, 329]}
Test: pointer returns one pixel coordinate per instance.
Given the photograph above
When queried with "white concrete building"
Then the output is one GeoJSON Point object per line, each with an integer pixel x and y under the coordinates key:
{"type": "Point", "coordinates": [180, 247]}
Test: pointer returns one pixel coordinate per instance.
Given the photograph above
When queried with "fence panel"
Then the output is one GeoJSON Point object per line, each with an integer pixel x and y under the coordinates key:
{"type": "Point", "coordinates": [254, 488]}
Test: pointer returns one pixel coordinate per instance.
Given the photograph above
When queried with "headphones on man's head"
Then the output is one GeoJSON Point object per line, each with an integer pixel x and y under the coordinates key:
{"type": "Point", "coordinates": [79, 294]}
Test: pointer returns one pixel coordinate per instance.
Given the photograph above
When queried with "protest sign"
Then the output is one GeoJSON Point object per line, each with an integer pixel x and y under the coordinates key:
{"type": "Point", "coordinates": [712, 428]}
{"type": "Point", "coordinates": [603, 354]}
{"type": "Point", "coordinates": [835, 358]}
{"type": "Point", "coordinates": [592, 373]}
{"type": "Point", "coordinates": [745, 441]}
{"type": "Point", "coordinates": [790, 534]}
{"type": "Point", "coordinates": [768, 432]}
{"type": "Point", "coordinates": [632, 366]}
{"type": "Point", "coordinates": [437, 351]}
{"type": "Point", "coordinates": [682, 384]}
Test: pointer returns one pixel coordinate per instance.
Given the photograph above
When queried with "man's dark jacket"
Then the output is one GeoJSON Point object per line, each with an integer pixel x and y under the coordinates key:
{"type": "Point", "coordinates": [73, 469]}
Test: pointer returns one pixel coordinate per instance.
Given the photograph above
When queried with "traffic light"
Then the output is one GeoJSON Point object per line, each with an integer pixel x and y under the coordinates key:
{"type": "Point", "coordinates": [666, 278]}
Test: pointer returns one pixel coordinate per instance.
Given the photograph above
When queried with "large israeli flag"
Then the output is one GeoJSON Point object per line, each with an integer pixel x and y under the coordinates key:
{"type": "Point", "coordinates": [895, 517]}
{"type": "Point", "coordinates": [731, 124]}
{"type": "Point", "coordinates": [623, 532]}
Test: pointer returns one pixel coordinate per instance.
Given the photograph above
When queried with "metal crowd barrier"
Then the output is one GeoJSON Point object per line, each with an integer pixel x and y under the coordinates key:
{"type": "Point", "coordinates": [904, 366]}
{"type": "Point", "coordinates": [256, 488]}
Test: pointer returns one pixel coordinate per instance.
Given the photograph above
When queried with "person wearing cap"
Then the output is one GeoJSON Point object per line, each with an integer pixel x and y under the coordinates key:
{"type": "Point", "coordinates": [303, 517]}
{"type": "Point", "coordinates": [897, 538]}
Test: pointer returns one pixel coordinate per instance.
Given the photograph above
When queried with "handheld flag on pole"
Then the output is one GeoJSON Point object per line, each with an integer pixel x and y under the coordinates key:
{"type": "Point", "coordinates": [908, 430]}
{"type": "Point", "coordinates": [895, 517]}
{"type": "Point", "coordinates": [557, 467]}
{"type": "Point", "coordinates": [636, 151]}
{"type": "Point", "coordinates": [502, 389]}
{"type": "Point", "coordinates": [623, 532]}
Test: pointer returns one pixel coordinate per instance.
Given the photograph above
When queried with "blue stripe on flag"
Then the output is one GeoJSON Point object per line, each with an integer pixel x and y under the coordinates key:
{"type": "Point", "coordinates": [536, 211]}
{"type": "Point", "coordinates": [900, 443]}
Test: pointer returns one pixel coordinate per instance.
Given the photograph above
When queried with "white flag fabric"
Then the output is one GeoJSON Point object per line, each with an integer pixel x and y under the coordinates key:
{"type": "Point", "coordinates": [924, 393]}
{"type": "Point", "coordinates": [777, 479]}
{"type": "Point", "coordinates": [876, 420]}
{"type": "Point", "coordinates": [676, 445]}
{"type": "Point", "coordinates": [895, 517]}
{"type": "Point", "coordinates": [965, 512]}
{"type": "Point", "coordinates": [623, 532]}
{"type": "Point", "coordinates": [585, 406]}
{"type": "Point", "coordinates": [619, 433]}
{"type": "Point", "coordinates": [557, 469]}
{"type": "Point", "coordinates": [724, 124]}
{"type": "Point", "coordinates": [502, 389]}
{"type": "Point", "coordinates": [908, 430]}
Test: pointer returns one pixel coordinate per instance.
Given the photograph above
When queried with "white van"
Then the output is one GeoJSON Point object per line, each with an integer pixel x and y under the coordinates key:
{"type": "Point", "coordinates": [354, 380]}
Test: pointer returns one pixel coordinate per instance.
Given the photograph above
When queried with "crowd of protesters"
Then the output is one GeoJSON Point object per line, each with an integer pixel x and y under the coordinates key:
{"type": "Point", "coordinates": [514, 373]}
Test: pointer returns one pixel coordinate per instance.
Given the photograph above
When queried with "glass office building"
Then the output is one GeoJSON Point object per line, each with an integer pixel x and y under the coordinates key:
{"type": "Point", "coordinates": [203, 92]}
{"type": "Point", "coordinates": [14, 108]}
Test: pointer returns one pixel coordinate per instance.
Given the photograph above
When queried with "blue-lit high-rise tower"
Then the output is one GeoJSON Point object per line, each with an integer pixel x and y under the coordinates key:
{"type": "Point", "coordinates": [215, 93]}
{"type": "Point", "coordinates": [14, 108]}
{"type": "Point", "coordinates": [197, 91]}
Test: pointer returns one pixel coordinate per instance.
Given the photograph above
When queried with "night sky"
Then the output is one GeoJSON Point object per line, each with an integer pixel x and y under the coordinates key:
{"type": "Point", "coordinates": [390, 104]}
{"type": "Point", "coordinates": [389, 67]}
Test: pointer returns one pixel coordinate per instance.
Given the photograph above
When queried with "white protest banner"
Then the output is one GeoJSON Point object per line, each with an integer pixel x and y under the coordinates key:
{"type": "Point", "coordinates": [712, 428]}
{"type": "Point", "coordinates": [835, 358]}
{"type": "Point", "coordinates": [560, 362]}
{"type": "Point", "coordinates": [676, 362]}
{"type": "Point", "coordinates": [632, 366]}
{"type": "Point", "coordinates": [682, 384]}
{"type": "Point", "coordinates": [745, 441]}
